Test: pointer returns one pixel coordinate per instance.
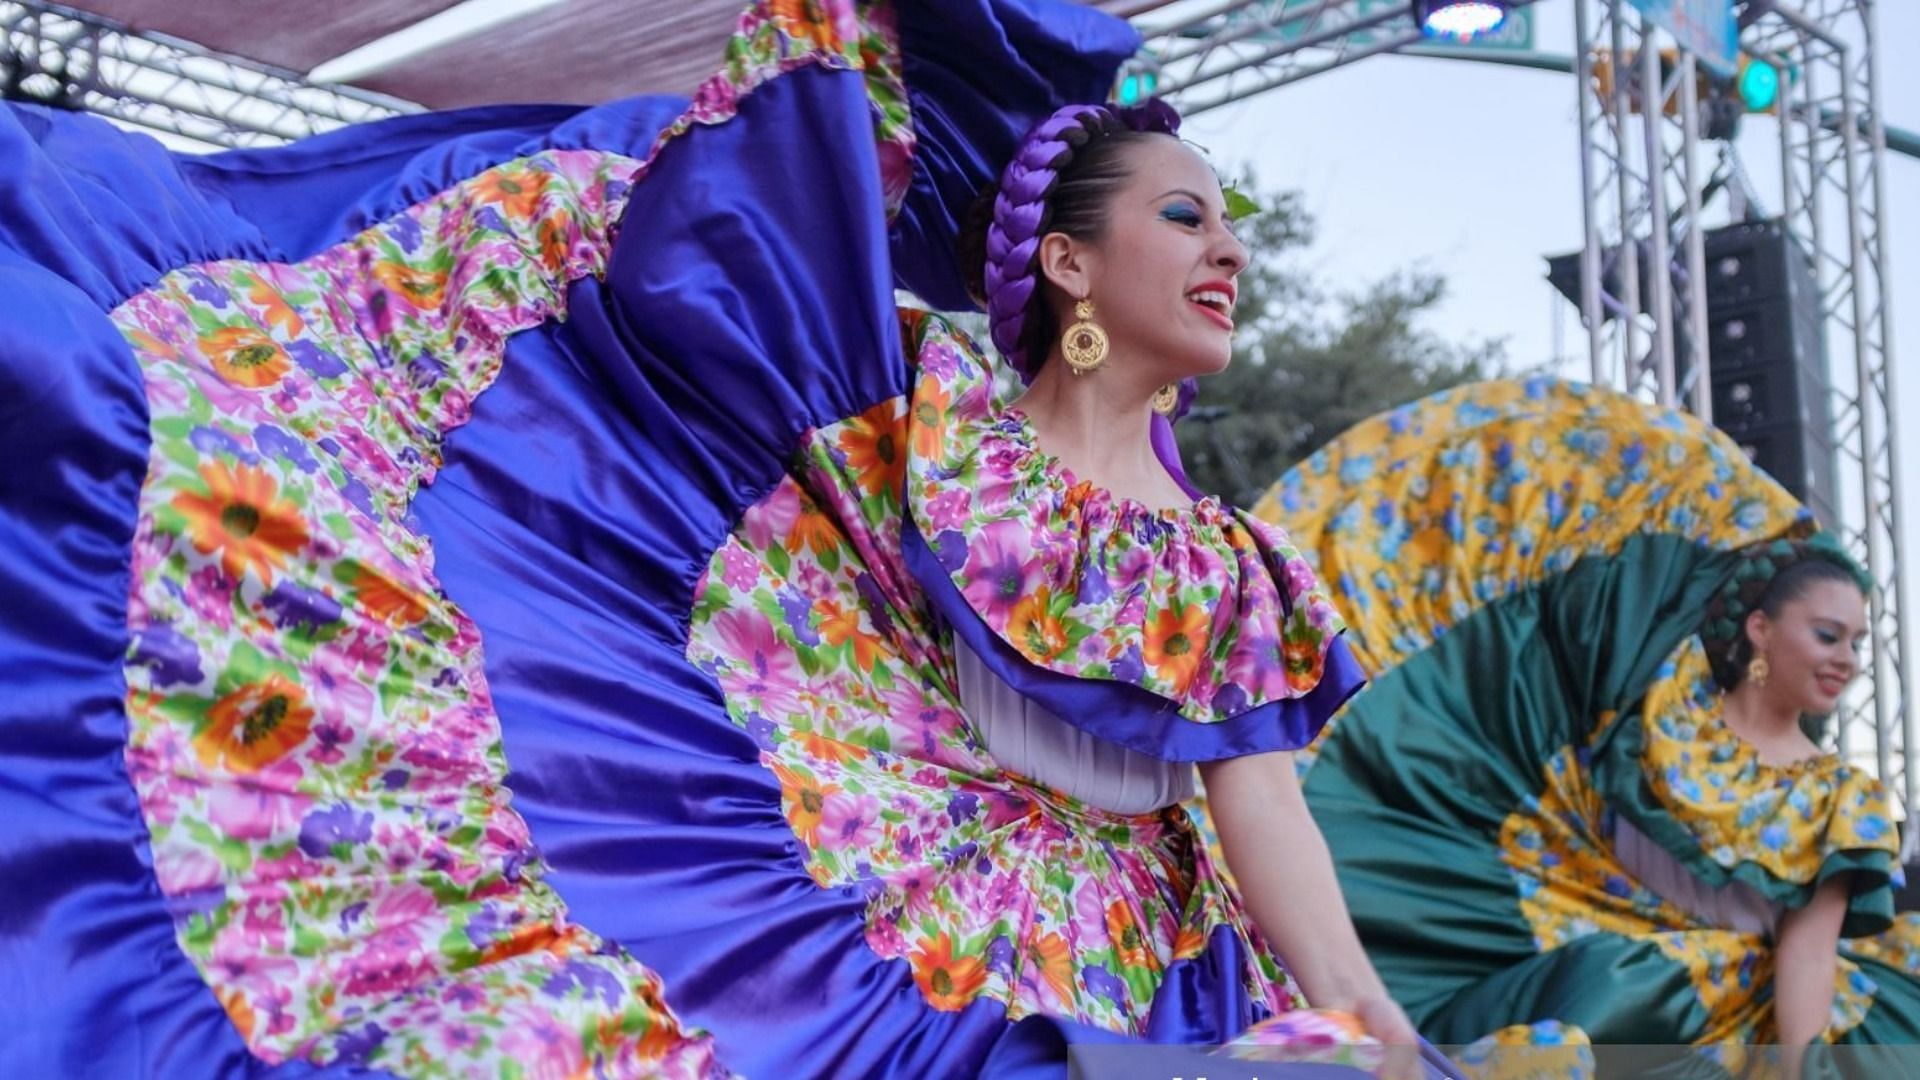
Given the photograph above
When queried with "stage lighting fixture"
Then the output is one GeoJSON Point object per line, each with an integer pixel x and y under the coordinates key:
{"type": "Point", "coordinates": [1459, 19]}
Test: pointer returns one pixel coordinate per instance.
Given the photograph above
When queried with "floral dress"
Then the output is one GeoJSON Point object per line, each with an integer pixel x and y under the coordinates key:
{"type": "Point", "coordinates": [477, 597]}
{"type": "Point", "coordinates": [829, 617]}
{"type": "Point", "coordinates": [1542, 755]}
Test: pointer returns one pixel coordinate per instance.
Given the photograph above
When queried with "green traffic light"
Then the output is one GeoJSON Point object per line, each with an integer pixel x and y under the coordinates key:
{"type": "Point", "coordinates": [1759, 86]}
{"type": "Point", "coordinates": [1136, 86]}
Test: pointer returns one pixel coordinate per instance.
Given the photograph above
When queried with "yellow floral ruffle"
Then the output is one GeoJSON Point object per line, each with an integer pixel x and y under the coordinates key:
{"type": "Point", "coordinates": [1421, 516]}
{"type": "Point", "coordinates": [1788, 821]}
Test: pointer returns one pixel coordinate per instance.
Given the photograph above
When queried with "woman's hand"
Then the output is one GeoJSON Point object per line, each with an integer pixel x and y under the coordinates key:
{"type": "Point", "coordinates": [1286, 877]}
{"type": "Point", "coordinates": [1384, 1020]}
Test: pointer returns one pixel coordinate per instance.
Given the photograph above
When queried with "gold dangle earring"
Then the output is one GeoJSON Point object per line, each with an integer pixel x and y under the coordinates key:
{"type": "Point", "coordinates": [1085, 343]}
{"type": "Point", "coordinates": [1166, 399]}
{"type": "Point", "coordinates": [1758, 669]}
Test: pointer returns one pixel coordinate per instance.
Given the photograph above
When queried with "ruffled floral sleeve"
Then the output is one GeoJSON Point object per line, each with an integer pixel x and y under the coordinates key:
{"type": "Point", "coordinates": [1189, 635]}
{"type": "Point", "coordinates": [1688, 782]}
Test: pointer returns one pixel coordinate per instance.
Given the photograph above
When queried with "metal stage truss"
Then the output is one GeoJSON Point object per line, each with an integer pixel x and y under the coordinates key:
{"type": "Point", "coordinates": [1643, 186]}
{"type": "Point", "coordinates": [1642, 174]}
{"type": "Point", "coordinates": [70, 59]}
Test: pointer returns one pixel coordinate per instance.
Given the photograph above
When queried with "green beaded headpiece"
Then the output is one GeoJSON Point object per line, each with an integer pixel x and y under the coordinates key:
{"type": "Point", "coordinates": [1723, 630]}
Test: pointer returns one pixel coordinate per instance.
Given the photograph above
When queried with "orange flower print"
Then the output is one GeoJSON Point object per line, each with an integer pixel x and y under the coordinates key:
{"type": "Point", "coordinates": [275, 307]}
{"type": "Point", "coordinates": [931, 405]}
{"type": "Point", "coordinates": [1176, 640]}
{"type": "Point", "coordinates": [663, 1033]}
{"type": "Point", "coordinates": [238, 1011]}
{"type": "Point", "coordinates": [871, 442]}
{"type": "Point", "coordinates": [1056, 963]}
{"type": "Point", "coordinates": [1129, 942]}
{"type": "Point", "coordinates": [805, 798]}
{"type": "Point", "coordinates": [949, 984]}
{"type": "Point", "coordinates": [826, 748]}
{"type": "Point", "coordinates": [151, 346]}
{"type": "Point", "coordinates": [421, 288]}
{"type": "Point", "coordinates": [804, 21]}
{"type": "Point", "coordinates": [242, 517]}
{"type": "Point", "coordinates": [1303, 663]}
{"type": "Point", "coordinates": [254, 726]}
{"type": "Point", "coordinates": [838, 627]}
{"type": "Point", "coordinates": [516, 191]}
{"type": "Point", "coordinates": [246, 356]}
{"type": "Point", "coordinates": [813, 530]}
{"type": "Point", "coordinates": [556, 239]}
{"type": "Point", "coordinates": [1033, 629]}
{"type": "Point", "coordinates": [1189, 943]}
{"type": "Point", "coordinates": [386, 599]}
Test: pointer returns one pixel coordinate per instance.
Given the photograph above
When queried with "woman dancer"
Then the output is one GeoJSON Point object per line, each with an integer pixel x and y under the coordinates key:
{"type": "Point", "coordinates": [1578, 793]}
{"type": "Point", "coordinates": [622, 394]}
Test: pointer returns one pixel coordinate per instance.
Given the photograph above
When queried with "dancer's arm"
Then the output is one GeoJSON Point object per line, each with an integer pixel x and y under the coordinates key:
{"type": "Point", "coordinates": [1803, 971]}
{"type": "Point", "coordinates": [1286, 877]}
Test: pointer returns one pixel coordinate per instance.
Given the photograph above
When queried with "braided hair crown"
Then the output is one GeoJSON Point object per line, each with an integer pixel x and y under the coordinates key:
{"type": "Point", "coordinates": [1021, 212]}
{"type": "Point", "coordinates": [1723, 630]}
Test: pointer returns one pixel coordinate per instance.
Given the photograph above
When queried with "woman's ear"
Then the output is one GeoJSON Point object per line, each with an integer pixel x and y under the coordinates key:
{"type": "Point", "coordinates": [1063, 261]}
{"type": "Point", "coordinates": [1759, 629]}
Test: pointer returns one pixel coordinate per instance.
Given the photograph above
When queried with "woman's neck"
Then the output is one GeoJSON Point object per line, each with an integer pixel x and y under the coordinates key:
{"type": "Point", "coordinates": [1765, 724]}
{"type": "Point", "coordinates": [1099, 425]}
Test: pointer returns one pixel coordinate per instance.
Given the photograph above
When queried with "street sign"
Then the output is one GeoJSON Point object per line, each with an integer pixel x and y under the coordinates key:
{"type": "Point", "coordinates": [1515, 34]}
{"type": "Point", "coordinates": [1706, 28]}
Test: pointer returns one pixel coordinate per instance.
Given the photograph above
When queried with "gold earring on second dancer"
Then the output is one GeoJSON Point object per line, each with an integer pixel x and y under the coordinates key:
{"type": "Point", "coordinates": [1758, 670]}
{"type": "Point", "coordinates": [1166, 399]}
{"type": "Point", "coordinates": [1085, 343]}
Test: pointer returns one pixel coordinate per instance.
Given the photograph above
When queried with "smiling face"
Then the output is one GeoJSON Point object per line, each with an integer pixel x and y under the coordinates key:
{"type": "Point", "coordinates": [1161, 273]}
{"type": "Point", "coordinates": [1811, 645]}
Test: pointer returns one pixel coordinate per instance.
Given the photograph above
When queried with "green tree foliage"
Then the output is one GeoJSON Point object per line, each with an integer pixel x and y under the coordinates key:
{"type": "Point", "coordinates": [1309, 363]}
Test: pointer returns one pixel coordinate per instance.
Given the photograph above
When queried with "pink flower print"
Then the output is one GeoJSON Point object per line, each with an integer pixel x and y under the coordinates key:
{"type": "Point", "coordinates": [185, 868]}
{"type": "Point", "coordinates": [769, 521]}
{"type": "Point", "coordinates": [262, 920]}
{"type": "Point", "coordinates": [365, 648]}
{"type": "Point", "coordinates": [1004, 809]}
{"type": "Point", "coordinates": [261, 807]}
{"type": "Point", "coordinates": [813, 581]}
{"type": "Point", "coordinates": [1198, 564]}
{"type": "Point", "coordinates": [544, 1047]}
{"type": "Point", "coordinates": [1007, 894]}
{"type": "Point", "coordinates": [948, 509]}
{"type": "Point", "coordinates": [883, 935]}
{"type": "Point", "coordinates": [739, 569]}
{"type": "Point", "coordinates": [210, 596]}
{"type": "Point", "coordinates": [999, 571]}
{"type": "Point", "coordinates": [760, 666]}
{"type": "Point", "coordinates": [848, 820]}
{"type": "Point", "coordinates": [1300, 577]}
{"type": "Point", "coordinates": [390, 963]}
{"type": "Point", "coordinates": [343, 698]}
{"type": "Point", "coordinates": [1133, 569]}
{"type": "Point", "coordinates": [328, 738]}
{"type": "Point", "coordinates": [714, 100]}
{"type": "Point", "coordinates": [292, 866]}
{"type": "Point", "coordinates": [1257, 666]}
{"type": "Point", "coordinates": [841, 16]}
{"type": "Point", "coordinates": [1089, 929]}
{"type": "Point", "coordinates": [916, 890]}
{"type": "Point", "coordinates": [403, 904]}
{"type": "Point", "coordinates": [235, 963]}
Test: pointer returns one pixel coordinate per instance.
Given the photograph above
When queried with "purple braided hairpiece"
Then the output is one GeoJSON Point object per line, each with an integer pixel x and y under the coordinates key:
{"type": "Point", "coordinates": [1020, 210]}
